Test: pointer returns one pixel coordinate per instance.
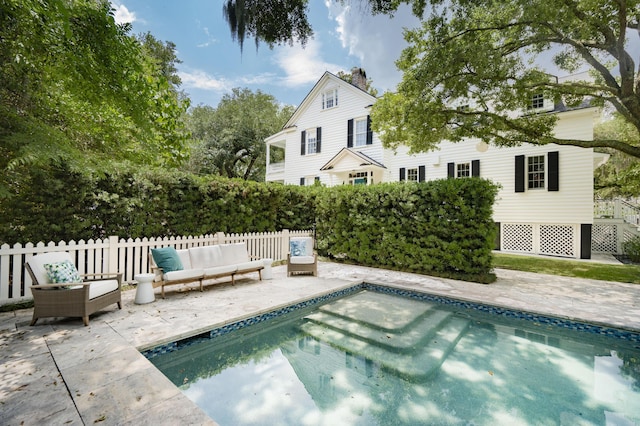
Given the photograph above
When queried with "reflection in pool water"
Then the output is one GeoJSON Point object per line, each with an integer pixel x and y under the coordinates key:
{"type": "Point", "coordinates": [373, 358]}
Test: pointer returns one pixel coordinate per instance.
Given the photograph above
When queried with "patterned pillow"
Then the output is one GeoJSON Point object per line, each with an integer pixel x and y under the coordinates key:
{"type": "Point", "coordinates": [62, 272]}
{"type": "Point", "coordinates": [298, 247]}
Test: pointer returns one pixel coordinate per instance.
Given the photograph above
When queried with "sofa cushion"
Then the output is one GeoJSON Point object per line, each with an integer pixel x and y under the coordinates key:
{"type": "Point", "coordinates": [185, 259]}
{"type": "Point", "coordinates": [251, 265]}
{"type": "Point", "coordinates": [205, 257]}
{"type": "Point", "coordinates": [167, 258]}
{"type": "Point", "coordinates": [302, 260]}
{"type": "Point", "coordinates": [62, 272]}
{"type": "Point", "coordinates": [301, 246]}
{"type": "Point", "coordinates": [185, 274]}
{"type": "Point", "coordinates": [220, 270]}
{"type": "Point", "coordinates": [98, 288]}
{"type": "Point", "coordinates": [234, 253]}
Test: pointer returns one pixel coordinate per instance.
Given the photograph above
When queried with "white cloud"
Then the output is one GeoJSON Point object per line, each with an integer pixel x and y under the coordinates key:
{"type": "Point", "coordinates": [198, 79]}
{"type": "Point", "coordinates": [376, 41]}
{"type": "Point", "coordinates": [122, 15]}
{"type": "Point", "coordinates": [302, 66]}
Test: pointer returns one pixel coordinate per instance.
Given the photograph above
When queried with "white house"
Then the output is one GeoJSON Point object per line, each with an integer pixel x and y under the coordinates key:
{"type": "Point", "coordinates": [544, 206]}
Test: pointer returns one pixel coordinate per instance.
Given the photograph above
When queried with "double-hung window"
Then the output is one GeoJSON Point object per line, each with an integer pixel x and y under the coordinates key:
{"type": "Point", "coordinates": [312, 142]}
{"type": "Point", "coordinates": [535, 171]}
{"type": "Point", "coordinates": [537, 101]}
{"type": "Point", "coordinates": [330, 99]}
{"type": "Point", "coordinates": [412, 175]}
{"type": "Point", "coordinates": [361, 132]}
{"type": "Point", "coordinates": [463, 170]}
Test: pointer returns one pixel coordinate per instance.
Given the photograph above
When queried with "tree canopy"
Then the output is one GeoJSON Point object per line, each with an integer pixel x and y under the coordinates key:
{"type": "Point", "coordinates": [77, 89]}
{"type": "Point", "coordinates": [230, 138]}
{"type": "Point", "coordinates": [473, 63]}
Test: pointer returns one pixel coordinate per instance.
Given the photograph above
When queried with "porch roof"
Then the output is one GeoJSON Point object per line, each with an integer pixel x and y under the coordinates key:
{"type": "Point", "coordinates": [347, 158]}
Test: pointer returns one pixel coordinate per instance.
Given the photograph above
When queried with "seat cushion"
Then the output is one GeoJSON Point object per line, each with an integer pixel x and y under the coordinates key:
{"type": "Point", "coordinates": [205, 257]}
{"type": "Point", "coordinates": [167, 258]}
{"type": "Point", "coordinates": [185, 274]}
{"type": "Point", "coordinates": [220, 270]}
{"type": "Point", "coordinates": [98, 288]}
{"type": "Point", "coordinates": [234, 253]}
{"type": "Point", "coordinates": [302, 260]}
{"type": "Point", "coordinates": [249, 266]}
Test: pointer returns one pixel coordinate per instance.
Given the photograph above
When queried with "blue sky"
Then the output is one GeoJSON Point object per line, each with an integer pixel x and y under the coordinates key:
{"type": "Point", "coordinates": [212, 64]}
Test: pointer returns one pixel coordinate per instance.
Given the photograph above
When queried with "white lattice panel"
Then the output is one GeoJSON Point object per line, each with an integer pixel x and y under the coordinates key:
{"type": "Point", "coordinates": [604, 238]}
{"type": "Point", "coordinates": [557, 240]}
{"type": "Point", "coordinates": [517, 237]}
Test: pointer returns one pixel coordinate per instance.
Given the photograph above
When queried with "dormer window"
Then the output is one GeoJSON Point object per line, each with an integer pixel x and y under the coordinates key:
{"type": "Point", "coordinates": [537, 101]}
{"type": "Point", "coordinates": [330, 99]}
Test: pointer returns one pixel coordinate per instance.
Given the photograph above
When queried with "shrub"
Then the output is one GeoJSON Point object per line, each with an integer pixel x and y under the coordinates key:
{"type": "Point", "coordinates": [632, 249]}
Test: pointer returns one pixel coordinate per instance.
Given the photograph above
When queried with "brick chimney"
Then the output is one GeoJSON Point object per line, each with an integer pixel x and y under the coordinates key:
{"type": "Point", "coordinates": [359, 78]}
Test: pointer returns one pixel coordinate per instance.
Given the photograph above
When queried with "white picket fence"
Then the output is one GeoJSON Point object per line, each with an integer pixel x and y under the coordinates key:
{"type": "Point", "coordinates": [128, 256]}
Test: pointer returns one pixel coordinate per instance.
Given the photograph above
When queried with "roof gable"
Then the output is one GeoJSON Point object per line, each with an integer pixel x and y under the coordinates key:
{"type": "Point", "coordinates": [321, 85]}
{"type": "Point", "coordinates": [348, 159]}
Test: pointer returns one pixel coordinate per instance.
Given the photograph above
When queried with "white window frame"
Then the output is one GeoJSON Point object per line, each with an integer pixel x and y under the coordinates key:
{"type": "Point", "coordinates": [412, 175]}
{"type": "Point", "coordinates": [312, 141]}
{"type": "Point", "coordinates": [330, 99]}
{"type": "Point", "coordinates": [360, 131]}
{"type": "Point", "coordinates": [537, 101]}
{"type": "Point", "coordinates": [359, 178]}
{"type": "Point", "coordinates": [463, 170]}
{"type": "Point", "coordinates": [536, 172]}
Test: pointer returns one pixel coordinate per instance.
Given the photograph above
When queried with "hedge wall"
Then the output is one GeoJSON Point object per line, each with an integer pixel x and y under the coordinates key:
{"type": "Point", "coordinates": [441, 228]}
{"type": "Point", "coordinates": [58, 205]}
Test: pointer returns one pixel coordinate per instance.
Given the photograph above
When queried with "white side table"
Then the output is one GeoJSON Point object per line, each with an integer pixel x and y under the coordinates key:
{"type": "Point", "coordinates": [144, 289]}
{"type": "Point", "coordinates": [267, 273]}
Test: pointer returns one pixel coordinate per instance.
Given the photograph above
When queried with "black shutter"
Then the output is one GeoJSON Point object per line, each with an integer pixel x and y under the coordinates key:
{"type": "Point", "coordinates": [585, 240]}
{"type": "Point", "coordinates": [369, 132]}
{"type": "Point", "coordinates": [520, 173]}
{"type": "Point", "coordinates": [350, 133]}
{"type": "Point", "coordinates": [421, 173]}
{"type": "Point", "coordinates": [451, 170]}
{"type": "Point", "coordinates": [318, 139]}
{"type": "Point", "coordinates": [554, 171]}
{"type": "Point", "coordinates": [303, 141]}
{"type": "Point", "coordinates": [301, 181]}
{"type": "Point", "coordinates": [475, 168]}
{"type": "Point", "coordinates": [402, 173]}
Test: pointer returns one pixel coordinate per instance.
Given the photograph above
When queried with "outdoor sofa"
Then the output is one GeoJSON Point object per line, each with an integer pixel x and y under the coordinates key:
{"type": "Point", "coordinates": [198, 264]}
{"type": "Point", "coordinates": [60, 291]}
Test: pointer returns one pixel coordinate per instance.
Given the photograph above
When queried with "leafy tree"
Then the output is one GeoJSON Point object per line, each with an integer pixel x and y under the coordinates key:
{"type": "Point", "coordinates": [230, 138]}
{"type": "Point", "coordinates": [164, 54]}
{"type": "Point", "coordinates": [620, 175]}
{"type": "Point", "coordinates": [76, 88]}
{"type": "Point", "coordinates": [481, 54]}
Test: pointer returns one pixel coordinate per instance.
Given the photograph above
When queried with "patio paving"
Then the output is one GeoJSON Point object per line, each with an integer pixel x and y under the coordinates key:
{"type": "Point", "coordinates": [60, 372]}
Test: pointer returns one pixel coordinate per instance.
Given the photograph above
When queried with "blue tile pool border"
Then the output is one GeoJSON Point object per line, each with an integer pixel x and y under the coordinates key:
{"type": "Point", "coordinates": [564, 323]}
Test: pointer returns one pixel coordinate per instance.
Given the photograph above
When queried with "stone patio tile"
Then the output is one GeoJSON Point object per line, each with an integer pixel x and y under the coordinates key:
{"type": "Point", "coordinates": [178, 410]}
{"type": "Point", "coordinates": [116, 402]}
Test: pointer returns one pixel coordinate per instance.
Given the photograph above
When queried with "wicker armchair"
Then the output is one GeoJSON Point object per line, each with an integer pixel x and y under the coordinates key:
{"type": "Point", "coordinates": [75, 299]}
{"type": "Point", "coordinates": [301, 257]}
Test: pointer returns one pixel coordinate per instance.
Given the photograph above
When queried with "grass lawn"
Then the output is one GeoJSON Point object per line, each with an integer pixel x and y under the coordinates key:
{"type": "Point", "coordinates": [568, 268]}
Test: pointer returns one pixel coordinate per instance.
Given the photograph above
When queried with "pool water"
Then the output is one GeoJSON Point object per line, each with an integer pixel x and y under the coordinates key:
{"type": "Point", "coordinates": [380, 359]}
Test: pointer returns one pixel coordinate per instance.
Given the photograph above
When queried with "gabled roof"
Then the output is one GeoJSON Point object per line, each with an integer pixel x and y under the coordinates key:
{"type": "Point", "coordinates": [317, 89]}
{"type": "Point", "coordinates": [346, 154]}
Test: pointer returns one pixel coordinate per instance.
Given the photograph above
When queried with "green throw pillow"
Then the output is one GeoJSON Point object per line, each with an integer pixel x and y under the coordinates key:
{"type": "Point", "coordinates": [62, 272]}
{"type": "Point", "coordinates": [167, 258]}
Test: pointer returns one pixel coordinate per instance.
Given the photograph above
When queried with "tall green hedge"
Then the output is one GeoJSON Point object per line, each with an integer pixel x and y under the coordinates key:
{"type": "Point", "coordinates": [441, 228]}
{"type": "Point", "coordinates": [59, 205]}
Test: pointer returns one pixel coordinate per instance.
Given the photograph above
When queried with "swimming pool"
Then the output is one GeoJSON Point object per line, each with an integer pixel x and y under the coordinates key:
{"type": "Point", "coordinates": [379, 355]}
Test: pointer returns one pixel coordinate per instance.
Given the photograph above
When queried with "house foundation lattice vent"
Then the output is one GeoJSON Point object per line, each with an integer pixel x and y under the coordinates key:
{"type": "Point", "coordinates": [517, 237]}
{"type": "Point", "coordinates": [557, 240]}
{"type": "Point", "coordinates": [604, 238]}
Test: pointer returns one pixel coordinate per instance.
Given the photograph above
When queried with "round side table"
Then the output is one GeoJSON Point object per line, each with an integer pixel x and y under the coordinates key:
{"type": "Point", "coordinates": [267, 273]}
{"type": "Point", "coordinates": [144, 289]}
